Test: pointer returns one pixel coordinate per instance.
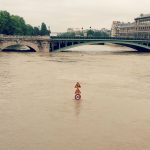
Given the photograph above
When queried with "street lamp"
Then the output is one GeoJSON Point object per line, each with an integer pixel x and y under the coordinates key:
{"type": "Point", "coordinates": [39, 31]}
{"type": "Point", "coordinates": [82, 32]}
{"type": "Point", "coordinates": [90, 32]}
{"type": "Point", "coordinates": [49, 31]}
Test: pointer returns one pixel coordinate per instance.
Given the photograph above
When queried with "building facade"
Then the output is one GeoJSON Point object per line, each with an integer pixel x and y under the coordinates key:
{"type": "Point", "coordinates": [115, 29]}
{"type": "Point", "coordinates": [140, 28]}
{"type": "Point", "coordinates": [126, 30]}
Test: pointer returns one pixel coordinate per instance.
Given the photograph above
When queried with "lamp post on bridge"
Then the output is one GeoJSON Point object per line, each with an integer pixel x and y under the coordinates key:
{"type": "Point", "coordinates": [90, 32]}
{"type": "Point", "coordinates": [82, 32]}
{"type": "Point", "coordinates": [49, 31]}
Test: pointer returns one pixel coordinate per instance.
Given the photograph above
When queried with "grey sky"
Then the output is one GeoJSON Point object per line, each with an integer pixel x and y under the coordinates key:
{"type": "Point", "coordinates": [61, 14]}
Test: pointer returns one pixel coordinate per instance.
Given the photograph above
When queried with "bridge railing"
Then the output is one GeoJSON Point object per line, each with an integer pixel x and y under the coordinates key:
{"type": "Point", "coordinates": [88, 38]}
{"type": "Point", "coordinates": [2, 36]}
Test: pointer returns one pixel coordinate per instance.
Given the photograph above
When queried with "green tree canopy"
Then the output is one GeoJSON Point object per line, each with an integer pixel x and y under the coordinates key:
{"type": "Point", "coordinates": [19, 25]}
{"type": "Point", "coordinates": [44, 30]}
{"type": "Point", "coordinates": [90, 33]}
{"type": "Point", "coordinates": [5, 23]}
{"type": "Point", "coordinates": [16, 25]}
{"type": "Point", "coordinates": [68, 34]}
{"type": "Point", "coordinates": [98, 33]}
{"type": "Point", "coordinates": [36, 31]}
{"type": "Point", "coordinates": [29, 30]}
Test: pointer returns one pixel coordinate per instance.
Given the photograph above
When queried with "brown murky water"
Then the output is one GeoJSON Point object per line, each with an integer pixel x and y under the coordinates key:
{"type": "Point", "coordinates": [38, 110]}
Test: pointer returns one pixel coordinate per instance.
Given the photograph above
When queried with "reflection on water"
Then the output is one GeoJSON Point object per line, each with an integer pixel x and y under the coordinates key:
{"type": "Point", "coordinates": [38, 110]}
{"type": "Point", "coordinates": [78, 105]}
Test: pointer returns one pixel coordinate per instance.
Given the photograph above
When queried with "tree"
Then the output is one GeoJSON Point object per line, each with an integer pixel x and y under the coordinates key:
{"type": "Point", "coordinates": [101, 34]}
{"type": "Point", "coordinates": [36, 31]}
{"type": "Point", "coordinates": [68, 34]}
{"type": "Point", "coordinates": [29, 30]}
{"type": "Point", "coordinates": [16, 25]}
{"type": "Point", "coordinates": [19, 25]}
{"type": "Point", "coordinates": [5, 23]}
{"type": "Point", "coordinates": [90, 33]}
{"type": "Point", "coordinates": [44, 30]}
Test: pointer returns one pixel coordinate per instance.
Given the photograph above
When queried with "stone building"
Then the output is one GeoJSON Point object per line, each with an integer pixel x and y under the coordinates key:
{"type": "Point", "coordinates": [140, 28]}
{"type": "Point", "coordinates": [115, 29]}
{"type": "Point", "coordinates": [126, 30]}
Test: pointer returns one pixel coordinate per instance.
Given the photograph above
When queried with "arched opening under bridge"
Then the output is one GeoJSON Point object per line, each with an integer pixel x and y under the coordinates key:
{"type": "Point", "coordinates": [19, 47]}
{"type": "Point", "coordinates": [136, 46]}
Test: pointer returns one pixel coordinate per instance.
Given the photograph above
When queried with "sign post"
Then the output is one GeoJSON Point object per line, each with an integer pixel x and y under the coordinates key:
{"type": "Point", "coordinates": [77, 92]}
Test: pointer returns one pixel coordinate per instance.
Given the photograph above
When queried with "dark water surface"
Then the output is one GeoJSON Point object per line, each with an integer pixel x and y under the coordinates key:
{"type": "Point", "coordinates": [38, 110]}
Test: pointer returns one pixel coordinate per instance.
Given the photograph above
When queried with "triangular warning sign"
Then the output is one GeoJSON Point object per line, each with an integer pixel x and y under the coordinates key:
{"type": "Point", "coordinates": [78, 85]}
{"type": "Point", "coordinates": [77, 91]}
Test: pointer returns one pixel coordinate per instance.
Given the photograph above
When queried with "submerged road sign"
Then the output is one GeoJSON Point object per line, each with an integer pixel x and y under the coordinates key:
{"type": "Point", "coordinates": [77, 97]}
{"type": "Point", "coordinates": [77, 85]}
{"type": "Point", "coordinates": [77, 92]}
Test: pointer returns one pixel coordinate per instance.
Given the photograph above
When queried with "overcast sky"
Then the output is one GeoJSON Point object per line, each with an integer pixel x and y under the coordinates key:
{"type": "Point", "coordinates": [61, 14]}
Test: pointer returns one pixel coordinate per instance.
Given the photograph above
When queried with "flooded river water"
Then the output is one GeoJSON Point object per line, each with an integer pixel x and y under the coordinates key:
{"type": "Point", "coordinates": [38, 110]}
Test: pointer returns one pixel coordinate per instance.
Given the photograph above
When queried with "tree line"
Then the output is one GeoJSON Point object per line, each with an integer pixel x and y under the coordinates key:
{"type": "Point", "coordinates": [89, 33]}
{"type": "Point", "coordinates": [98, 33]}
{"type": "Point", "coordinates": [16, 25]}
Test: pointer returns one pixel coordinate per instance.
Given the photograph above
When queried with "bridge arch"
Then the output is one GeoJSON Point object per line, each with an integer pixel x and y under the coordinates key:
{"type": "Point", "coordinates": [135, 45]}
{"type": "Point", "coordinates": [32, 46]}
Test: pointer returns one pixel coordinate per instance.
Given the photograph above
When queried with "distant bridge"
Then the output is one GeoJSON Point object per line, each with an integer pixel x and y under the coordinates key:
{"type": "Point", "coordinates": [49, 44]}
{"type": "Point", "coordinates": [36, 43]}
{"type": "Point", "coordinates": [62, 43]}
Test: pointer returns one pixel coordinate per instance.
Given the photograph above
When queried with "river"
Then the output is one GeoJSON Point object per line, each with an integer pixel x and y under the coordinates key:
{"type": "Point", "coordinates": [38, 110]}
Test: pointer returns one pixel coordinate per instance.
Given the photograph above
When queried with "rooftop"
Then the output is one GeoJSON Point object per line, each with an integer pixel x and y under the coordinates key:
{"type": "Point", "coordinates": [142, 16]}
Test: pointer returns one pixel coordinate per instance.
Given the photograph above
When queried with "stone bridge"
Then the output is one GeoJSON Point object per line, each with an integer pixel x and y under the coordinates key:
{"type": "Point", "coordinates": [63, 43]}
{"type": "Point", "coordinates": [36, 43]}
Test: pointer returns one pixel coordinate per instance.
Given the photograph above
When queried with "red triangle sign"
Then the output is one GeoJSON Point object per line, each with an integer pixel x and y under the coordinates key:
{"type": "Point", "coordinates": [77, 91]}
{"type": "Point", "coordinates": [78, 85]}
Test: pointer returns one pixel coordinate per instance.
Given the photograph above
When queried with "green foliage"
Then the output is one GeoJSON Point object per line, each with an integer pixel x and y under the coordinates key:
{"type": "Point", "coordinates": [91, 33]}
{"type": "Point", "coordinates": [44, 30]}
{"type": "Point", "coordinates": [29, 30]}
{"type": "Point", "coordinates": [5, 23]}
{"type": "Point", "coordinates": [72, 34]}
{"type": "Point", "coordinates": [68, 34]}
{"type": "Point", "coordinates": [36, 31]}
{"type": "Point", "coordinates": [16, 25]}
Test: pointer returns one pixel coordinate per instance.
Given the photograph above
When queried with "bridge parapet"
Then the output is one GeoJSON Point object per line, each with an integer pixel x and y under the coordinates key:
{"type": "Point", "coordinates": [11, 37]}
